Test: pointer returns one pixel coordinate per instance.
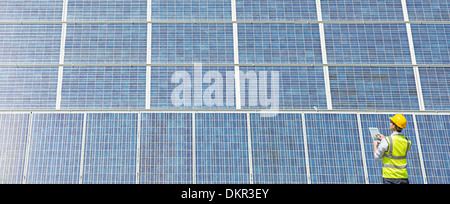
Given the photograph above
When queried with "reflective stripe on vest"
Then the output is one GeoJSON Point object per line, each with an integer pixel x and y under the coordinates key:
{"type": "Point", "coordinates": [391, 149]}
{"type": "Point", "coordinates": [395, 166]}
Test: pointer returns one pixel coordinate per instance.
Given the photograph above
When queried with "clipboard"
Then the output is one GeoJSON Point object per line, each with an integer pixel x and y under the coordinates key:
{"type": "Point", "coordinates": [373, 132]}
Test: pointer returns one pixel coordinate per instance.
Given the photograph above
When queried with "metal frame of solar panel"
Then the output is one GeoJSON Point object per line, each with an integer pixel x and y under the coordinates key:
{"type": "Point", "coordinates": [220, 91]}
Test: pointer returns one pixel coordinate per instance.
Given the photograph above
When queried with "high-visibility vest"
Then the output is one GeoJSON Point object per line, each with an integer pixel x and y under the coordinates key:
{"type": "Point", "coordinates": [394, 159]}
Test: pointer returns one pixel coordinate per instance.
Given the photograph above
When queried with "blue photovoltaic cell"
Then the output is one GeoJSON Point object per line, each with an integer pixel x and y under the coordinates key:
{"type": "Point", "coordinates": [192, 10]}
{"type": "Point", "coordinates": [198, 87]}
{"type": "Point", "coordinates": [279, 43]}
{"type": "Point", "coordinates": [24, 88]}
{"type": "Point", "coordinates": [351, 10]}
{"type": "Point", "coordinates": [13, 143]}
{"type": "Point", "coordinates": [435, 83]}
{"type": "Point", "coordinates": [334, 148]}
{"type": "Point", "coordinates": [107, 10]}
{"type": "Point", "coordinates": [13, 10]}
{"type": "Point", "coordinates": [434, 137]}
{"type": "Point", "coordinates": [103, 88]}
{"type": "Point", "coordinates": [367, 44]}
{"type": "Point", "coordinates": [431, 43]}
{"type": "Point", "coordinates": [282, 88]}
{"type": "Point", "coordinates": [428, 10]}
{"type": "Point", "coordinates": [221, 141]}
{"type": "Point", "coordinates": [110, 148]}
{"type": "Point", "coordinates": [277, 149]}
{"type": "Point", "coordinates": [382, 122]}
{"type": "Point", "coordinates": [29, 44]}
{"type": "Point", "coordinates": [280, 10]}
{"type": "Point", "coordinates": [106, 43]}
{"type": "Point", "coordinates": [55, 148]}
{"type": "Point", "coordinates": [373, 88]}
{"type": "Point", "coordinates": [106, 46]}
{"type": "Point", "coordinates": [166, 148]}
{"type": "Point", "coordinates": [192, 43]}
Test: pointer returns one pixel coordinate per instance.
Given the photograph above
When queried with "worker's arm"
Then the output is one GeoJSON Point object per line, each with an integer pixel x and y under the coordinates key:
{"type": "Point", "coordinates": [379, 148]}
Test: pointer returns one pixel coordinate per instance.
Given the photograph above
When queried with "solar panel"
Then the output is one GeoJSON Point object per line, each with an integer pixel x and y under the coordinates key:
{"type": "Point", "coordinates": [367, 44]}
{"type": "Point", "coordinates": [435, 87]}
{"type": "Point", "coordinates": [431, 43]}
{"type": "Point", "coordinates": [282, 88]}
{"type": "Point", "coordinates": [166, 148]}
{"type": "Point", "coordinates": [434, 138]}
{"type": "Point", "coordinates": [351, 10]}
{"type": "Point", "coordinates": [279, 44]}
{"type": "Point", "coordinates": [334, 148]}
{"type": "Point", "coordinates": [198, 87]}
{"type": "Point", "coordinates": [13, 142]}
{"type": "Point", "coordinates": [221, 148]}
{"type": "Point", "coordinates": [106, 44]}
{"type": "Point", "coordinates": [374, 168]}
{"type": "Point", "coordinates": [29, 44]}
{"type": "Point", "coordinates": [103, 88]}
{"type": "Point", "coordinates": [28, 88]}
{"type": "Point", "coordinates": [49, 10]}
{"type": "Point", "coordinates": [110, 148]}
{"type": "Point", "coordinates": [55, 148]}
{"type": "Point", "coordinates": [117, 10]}
{"type": "Point", "coordinates": [154, 87]}
{"type": "Point", "coordinates": [194, 10]}
{"type": "Point", "coordinates": [370, 88]}
{"type": "Point", "coordinates": [281, 10]}
{"type": "Point", "coordinates": [428, 10]}
{"type": "Point", "coordinates": [278, 149]}
{"type": "Point", "coordinates": [192, 43]}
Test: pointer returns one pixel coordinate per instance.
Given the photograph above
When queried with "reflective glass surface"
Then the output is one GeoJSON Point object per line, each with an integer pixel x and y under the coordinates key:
{"type": "Point", "coordinates": [28, 88]}
{"type": "Point", "coordinates": [278, 149]}
{"type": "Point", "coordinates": [166, 148]}
{"type": "Point", "coordinates": [373, 88]}
{"type": "Point", "coordinates": [434, 138]}
{"type": "Point", "coordinates": [334, 148]}
{"type": "Point", "coordinates": [13, 144]}
{"type": "Point", "coordinates": [221, 143]}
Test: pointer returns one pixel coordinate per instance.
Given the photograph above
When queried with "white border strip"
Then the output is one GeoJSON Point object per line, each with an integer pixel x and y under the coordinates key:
{"type": "Point", "coordinates": [227, 65]}
{"type": "Point", "coordinates": [419, 147]}
{"type": "Point", "coordinates": [231, 111]}
{"type": "Point", "coordinates": [237, 80]}
{"type": "Point", "coordinates": [59, 87]}
{"type": "Point", "coordinates": [363, 151]}
{"type": "Point", "coordinates": [324, 56]}
{"type": "Point", "coordinates": [83, 141]}
{"type": "Point", "coordinates": [418, 87]}
{"type": "Point", "coordinates": [220, 22]}
{"type": "Point", "coordinates": [305, 145]}
{"type": "Point", "coordinates": [148, 74]}
{"type": "Point", "coordinates": [194, 163]}
{"type": "Point", "coordinates": [233, 11]}
{"type": "Point", "coordinates": [62, 54]}
{"type": "Point", "coordinates": [413, 56]}
{"type": "Point", "coordinates": [138, 147]}
{"type": "Point", "coordinates": [250, 157]}
{"type": "Point", "coordinates": [25, 169]}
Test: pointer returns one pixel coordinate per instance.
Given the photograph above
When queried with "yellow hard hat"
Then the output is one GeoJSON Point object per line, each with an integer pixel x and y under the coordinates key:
{"type": "Point", "coordinates": [399, 120]}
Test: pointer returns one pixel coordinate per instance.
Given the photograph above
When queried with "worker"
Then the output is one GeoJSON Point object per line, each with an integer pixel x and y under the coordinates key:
{"type": "Point", "coordinates": [393, 150]}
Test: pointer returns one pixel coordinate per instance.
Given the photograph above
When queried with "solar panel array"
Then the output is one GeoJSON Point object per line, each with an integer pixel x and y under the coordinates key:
{"type": "Point", "coordinates": [220, 91]}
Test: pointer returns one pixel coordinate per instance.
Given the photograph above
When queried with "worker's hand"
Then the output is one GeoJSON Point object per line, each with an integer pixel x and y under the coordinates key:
{"type": "Point", "coordinates": [376, 143]}
{"type": "Point", "coordinates": [380, 136]}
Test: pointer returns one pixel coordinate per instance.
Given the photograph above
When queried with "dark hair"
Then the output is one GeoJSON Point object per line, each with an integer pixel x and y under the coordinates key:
{"type": "Point", "coordinates": [398, 128]}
